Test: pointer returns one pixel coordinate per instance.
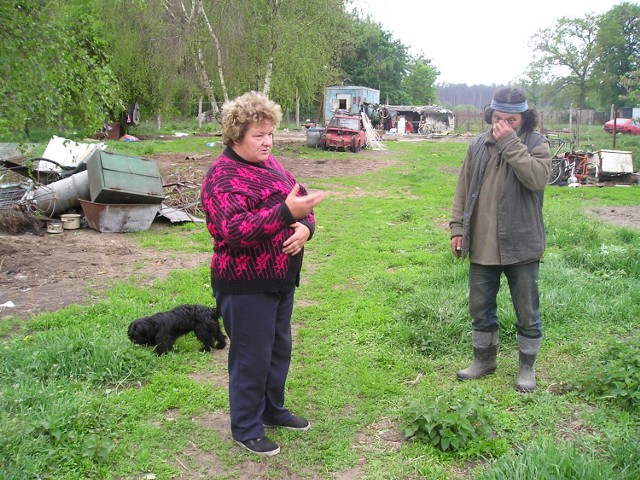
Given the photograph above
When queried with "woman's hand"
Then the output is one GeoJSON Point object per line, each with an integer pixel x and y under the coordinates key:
{"type": "Point", "coordinates": [300, 207]}
{"type": "Point", "coordinates": [293, 245]}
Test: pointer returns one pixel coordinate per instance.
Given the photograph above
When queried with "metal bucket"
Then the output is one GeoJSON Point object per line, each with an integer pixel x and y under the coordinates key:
{"type": "Point", "coordinates": [54, 226]}
{"type": "Point", "coordinates": [314, 134]}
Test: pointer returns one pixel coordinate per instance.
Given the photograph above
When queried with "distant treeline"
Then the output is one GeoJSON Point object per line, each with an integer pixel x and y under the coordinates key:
{"type": "Point", "coordinates": [455, 95]}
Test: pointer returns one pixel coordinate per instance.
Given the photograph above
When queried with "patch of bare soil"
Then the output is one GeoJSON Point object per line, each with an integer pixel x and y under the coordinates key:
{"type": "Point", "coordinates": [41, 272]}
{"type": "Point", "coordinates": [625, 216]}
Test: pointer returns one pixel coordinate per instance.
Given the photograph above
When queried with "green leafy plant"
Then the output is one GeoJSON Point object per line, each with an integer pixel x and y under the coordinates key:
{"type": "Point", "coordinates": [449, 424]}
{"type": "Point", "coordinates": [619, 375]}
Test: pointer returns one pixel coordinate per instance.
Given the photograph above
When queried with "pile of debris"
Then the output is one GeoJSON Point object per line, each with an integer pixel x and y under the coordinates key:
{"type": "Point", "coordinates": [115, 193]}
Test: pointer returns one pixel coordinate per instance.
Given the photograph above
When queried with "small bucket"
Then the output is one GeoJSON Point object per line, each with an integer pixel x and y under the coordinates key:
{"type": "Point", "coordinates": [70, 221]}
{"type": "Point", "coordinates": [54, 226]}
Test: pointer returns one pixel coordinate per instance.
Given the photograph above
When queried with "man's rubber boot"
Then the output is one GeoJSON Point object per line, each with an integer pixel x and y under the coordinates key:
{"type": "Point", "coordinates": [485, 353]}
{"type": "Point", "coordinates": [529, 347]}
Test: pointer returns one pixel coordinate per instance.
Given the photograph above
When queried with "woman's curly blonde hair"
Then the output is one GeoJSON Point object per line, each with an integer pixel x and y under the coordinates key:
{"type": "Point", "coordinates": [239, 114]}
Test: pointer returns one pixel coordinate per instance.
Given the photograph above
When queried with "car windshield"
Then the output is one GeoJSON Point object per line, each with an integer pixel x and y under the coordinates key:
{"type": "Point", "coordinates": [342, 122]}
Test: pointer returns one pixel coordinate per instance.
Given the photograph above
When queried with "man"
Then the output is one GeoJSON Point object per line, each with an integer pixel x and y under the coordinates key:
{"type": "Point", "coordinates": [497, 221]}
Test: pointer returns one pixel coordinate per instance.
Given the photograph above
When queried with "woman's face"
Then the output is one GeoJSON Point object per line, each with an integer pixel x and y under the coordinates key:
{"type": "Point", "coordinates": [256, 144]}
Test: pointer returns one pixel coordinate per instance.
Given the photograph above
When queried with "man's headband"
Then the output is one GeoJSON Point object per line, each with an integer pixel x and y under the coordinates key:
{"type": "Point", "coordinates": [509, 107]}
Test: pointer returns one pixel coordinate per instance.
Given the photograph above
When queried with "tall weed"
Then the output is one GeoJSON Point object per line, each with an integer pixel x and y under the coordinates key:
{"type": "Point", "coordinates": [549, 460]}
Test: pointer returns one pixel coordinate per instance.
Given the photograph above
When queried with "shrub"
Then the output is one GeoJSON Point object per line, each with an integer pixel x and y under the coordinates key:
{"type": "Point", "coordinates": [618, 377]}
{"type": "Point", "coordinates": [449, 425]}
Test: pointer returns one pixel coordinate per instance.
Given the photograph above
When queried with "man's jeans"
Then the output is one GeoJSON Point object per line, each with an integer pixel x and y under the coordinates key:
{"type": "Point", "coordinates": [484, 283]}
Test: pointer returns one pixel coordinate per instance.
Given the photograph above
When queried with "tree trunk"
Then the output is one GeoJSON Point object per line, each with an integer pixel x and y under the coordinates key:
{"type": "Point", "coordinates": [297, 108]}
{"type": "Point", "coordinates": [275, 16]}
{"type": "Point", "coordinates": [205, 82]}
{"type": "Point", "coordinates": [214, 37]}
{"type": "Point", "coordinates": [189, 18]}
{"type": "Point", "coordinates": [267, 77]}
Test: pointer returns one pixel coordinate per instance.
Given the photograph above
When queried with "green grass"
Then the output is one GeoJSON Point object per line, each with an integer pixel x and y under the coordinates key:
{"type": "Point", "coordinates": [381, 322]}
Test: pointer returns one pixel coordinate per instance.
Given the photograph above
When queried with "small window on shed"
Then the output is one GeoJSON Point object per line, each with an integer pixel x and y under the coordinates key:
{"type": "Point", "coordinates": [343, 104]}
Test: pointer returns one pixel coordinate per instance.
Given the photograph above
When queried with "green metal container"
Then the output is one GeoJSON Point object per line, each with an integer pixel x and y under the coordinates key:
{"type": "Point", "coordinates": [121, 179]}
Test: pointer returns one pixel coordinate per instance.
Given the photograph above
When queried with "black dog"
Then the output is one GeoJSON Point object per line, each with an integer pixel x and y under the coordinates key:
{"type": "Point", "coordinates": [162, 329]}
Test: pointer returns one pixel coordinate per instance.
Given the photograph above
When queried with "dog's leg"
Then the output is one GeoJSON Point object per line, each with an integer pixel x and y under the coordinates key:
{"type": "Point", "coordinates": [204, 332]}
{"type": "Point", "coordinates": [164, 346]}
{"type": "Point", "coordinates": [221, 340]}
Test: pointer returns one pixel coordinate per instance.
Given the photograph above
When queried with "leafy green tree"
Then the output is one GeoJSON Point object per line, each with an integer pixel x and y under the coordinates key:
{"type": "Point", "coordinates": [373, 58]}
{"type": "Point", "coordinates": [531, 82]}
{"type": "Point", "coordinates": [631, 83]}
{"type": "Point", "coordinates": [418, 85]}
{"type": "Point", "coordinates": [145, 55]}
{"type": "Point", "coordinates": [618, 51]}
{"type": "Point", "coordinates": [304, 59]}
{"type": "Point", "coordinates": [53, 68]}
{"type": "Point", "coordinates": [566, 53]}
{"type": "Point", "coordinates": [283, 48]}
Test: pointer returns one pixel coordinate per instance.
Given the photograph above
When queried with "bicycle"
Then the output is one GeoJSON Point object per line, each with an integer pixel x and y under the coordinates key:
{"type": "Point", "coordinates": [574, 166]}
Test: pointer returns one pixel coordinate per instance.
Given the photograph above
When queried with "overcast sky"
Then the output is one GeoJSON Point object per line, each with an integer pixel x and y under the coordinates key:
{"type": "Point", "coordinates": [459, 36]}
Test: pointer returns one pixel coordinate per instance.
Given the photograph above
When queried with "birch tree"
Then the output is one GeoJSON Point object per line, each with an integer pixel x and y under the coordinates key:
{"type": "Point", "coordinates": [145, 54]}
{"type": "Point", "coordinates": [189, 18]}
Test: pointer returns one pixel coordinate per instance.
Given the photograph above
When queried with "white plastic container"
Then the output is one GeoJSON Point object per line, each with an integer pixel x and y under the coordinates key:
{"type": "Point", "coordinates": [70, 221]}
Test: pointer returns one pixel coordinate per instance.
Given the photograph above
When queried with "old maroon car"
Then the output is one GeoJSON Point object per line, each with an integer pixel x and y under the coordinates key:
{"type": "Point", "coordinates": [344, 132]}
{"type": "Point", "coordinates": [623, 125]}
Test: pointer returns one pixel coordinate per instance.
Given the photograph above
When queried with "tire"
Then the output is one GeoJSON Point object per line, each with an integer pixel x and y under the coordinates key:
{"type": "Point", "coordinates": [590, 173]}
{"type": "Point", "coordinates": [556, 171]}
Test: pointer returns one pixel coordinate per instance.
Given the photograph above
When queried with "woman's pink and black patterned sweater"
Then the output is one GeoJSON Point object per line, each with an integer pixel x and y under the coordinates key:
{"type": "Point", "coordinates": [249, 221]}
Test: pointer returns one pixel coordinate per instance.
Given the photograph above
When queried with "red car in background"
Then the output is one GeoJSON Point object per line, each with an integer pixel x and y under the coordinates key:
{"type": "Point", "coordinates": [344, 132]}
{"type": "Point", "coordinates": [623, 125]}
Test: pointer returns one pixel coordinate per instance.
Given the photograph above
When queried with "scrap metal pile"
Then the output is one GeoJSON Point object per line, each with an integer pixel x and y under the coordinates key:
{"type": "Point", "coordinates": [115, 193]}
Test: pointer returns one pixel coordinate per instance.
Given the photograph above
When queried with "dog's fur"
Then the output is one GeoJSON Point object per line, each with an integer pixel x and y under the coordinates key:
{"type": "Point", "coordinates": [162, 329]}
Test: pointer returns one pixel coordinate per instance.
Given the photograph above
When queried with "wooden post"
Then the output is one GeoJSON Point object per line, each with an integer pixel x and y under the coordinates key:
{"type": "Point", "coordinates": [615, 126]}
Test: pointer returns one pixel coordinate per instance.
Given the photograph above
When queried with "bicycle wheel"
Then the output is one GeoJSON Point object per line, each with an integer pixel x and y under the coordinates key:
{"type": "Point", "coordinates": [593, 172]}
{"type": "Point", "coordinates": [588, 172]}
{"type": "Point", "coordinates": [556, 171]}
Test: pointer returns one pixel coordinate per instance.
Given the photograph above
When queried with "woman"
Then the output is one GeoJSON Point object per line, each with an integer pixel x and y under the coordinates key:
{"type": "Point", "coordinates": [259, 218]}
